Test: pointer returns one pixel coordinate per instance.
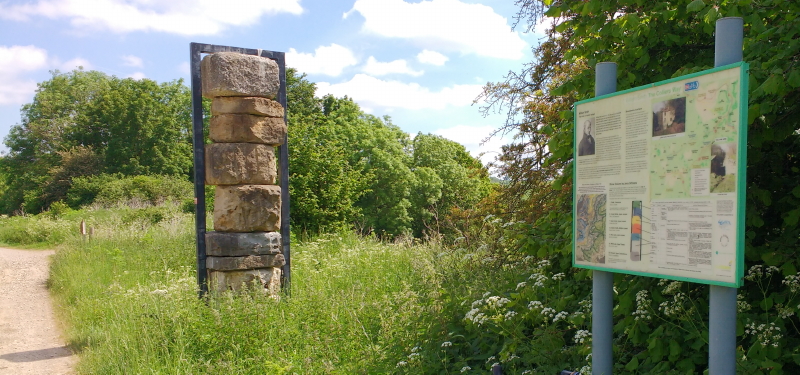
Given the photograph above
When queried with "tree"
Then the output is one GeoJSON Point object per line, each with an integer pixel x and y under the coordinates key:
{"type": "Point", "coordinates": [131, 126]}
{"type": "Point", "coordinates": [349, 168]}
{"type": "Point", "coordinates": [325, 182]}
{"type": "Point", "coordinates": [449, 178]}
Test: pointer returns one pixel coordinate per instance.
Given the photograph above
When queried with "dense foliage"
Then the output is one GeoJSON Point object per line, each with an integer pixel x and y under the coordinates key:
{"type": "Point", "coordinates": [350, 167]}
{"type": "Point", "coordinates": [86, 123]}
{"type": "Point", "coordinates": [661, 327]}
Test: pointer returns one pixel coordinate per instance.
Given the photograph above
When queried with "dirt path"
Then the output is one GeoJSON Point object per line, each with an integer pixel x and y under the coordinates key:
{"type": "Point", "coordinates": [29, 337]}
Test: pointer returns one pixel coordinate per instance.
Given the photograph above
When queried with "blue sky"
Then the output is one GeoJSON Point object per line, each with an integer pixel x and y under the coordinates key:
{"type": "Point", "coordinates": [420, 62]}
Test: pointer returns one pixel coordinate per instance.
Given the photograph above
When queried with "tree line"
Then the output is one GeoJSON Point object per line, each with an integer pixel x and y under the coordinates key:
{"type": "Point", "coordinates": [348, 169]}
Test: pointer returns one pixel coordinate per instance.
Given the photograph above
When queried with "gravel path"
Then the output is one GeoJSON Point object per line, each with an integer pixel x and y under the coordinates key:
{"type": "Point", "coordinates": [29, 337]}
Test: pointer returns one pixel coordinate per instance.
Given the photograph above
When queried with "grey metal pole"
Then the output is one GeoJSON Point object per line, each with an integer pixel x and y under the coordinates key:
{"type": "Point", "coordinates": [605, 82]}
{"type": "Point", "coordinates": [728, 43]}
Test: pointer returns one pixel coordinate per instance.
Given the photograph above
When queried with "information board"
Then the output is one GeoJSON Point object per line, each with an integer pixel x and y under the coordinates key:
{"type": "Point", "coordinates": [660, 179]}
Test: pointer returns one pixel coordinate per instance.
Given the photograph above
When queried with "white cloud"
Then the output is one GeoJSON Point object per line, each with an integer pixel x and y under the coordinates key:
{"type": "Point", "coordinates": [472, 138]}
{"type": "Point", "coordinates": [183, 17]}
{"type": "Point", "coordinates": [137, 76]}
{"type": "Point", "coordinates": [376, 68]}
{"type": "Point", "coordinates": [132, 61]}
{"type": "Point", "coordinates": [15, 61]}
{"type": "Point", "coordinates": [431, 57]}
{"type": "Point", "coordinates": [330, 60]}
{"type": "Point", "coordinates": [73, 64]}
{"type": "Point", "coordinates": [443, 24]}
{"type": "Point", "coordinates": [369, 91]}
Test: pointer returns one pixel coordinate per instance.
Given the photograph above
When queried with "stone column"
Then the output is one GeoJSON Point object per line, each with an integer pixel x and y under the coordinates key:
{"type": "Point", "coordinates": [246, 124]}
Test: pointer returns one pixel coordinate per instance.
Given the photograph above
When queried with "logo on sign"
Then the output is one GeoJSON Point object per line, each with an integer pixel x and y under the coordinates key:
{"type": "Point", "coordinates": [694, 85]}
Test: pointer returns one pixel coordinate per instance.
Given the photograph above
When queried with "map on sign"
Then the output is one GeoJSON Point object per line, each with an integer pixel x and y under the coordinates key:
{"type": "Point", "coordinates": [590, 228]}
{"type": "Point", "coordinates": [659, 178]}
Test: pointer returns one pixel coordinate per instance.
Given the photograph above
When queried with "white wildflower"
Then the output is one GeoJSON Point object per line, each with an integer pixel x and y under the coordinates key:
{"type": "Point", "coordinates": [562, 315]}
{"type": "Point", "coordinates": [510, 314]}
{"type": "Point", "coordinates": [758, 271]}
{"type": "Point", "coordinates": [548, 312]}
{"type": "Point", "coordinates": [672, 288]}
{"type": "Point", "coordinates": [741, 304]}
{"type": "Point", "coordinates": [521, 285]}
{"type": "Point", "coordinates": [538, 279]}
{"type": "Point", "coordinates": [674, 307]}
{"type": "Point", "coordinates": [401, 363]}
{"type": "Point", "coordinates": [581, 335]}
{"type": "Point", "coordinates": [558, 276]}
{"type": "Point", "coordinates": [465, 369]}
{"type": "Point", "coordinates": [793, 282]}
{"type": "Point", "coordinates": [496, 302]}
{"type": "Point", "coordinates": [447, 344]}
{"type": "Point", "coordinates": [532, 305]}
{"type": "Point", "coordinates": [766, 334]}
{"type": "Point", "coordinates": [642, 306]}
{"type": "Point", "coordinates": [784, 312]}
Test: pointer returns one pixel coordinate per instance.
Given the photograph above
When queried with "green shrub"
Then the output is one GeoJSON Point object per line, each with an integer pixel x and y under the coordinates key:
{"type": "Point", "coordinates": [43, 229]}
{"type": "Point", "coordinates": [113, 190]}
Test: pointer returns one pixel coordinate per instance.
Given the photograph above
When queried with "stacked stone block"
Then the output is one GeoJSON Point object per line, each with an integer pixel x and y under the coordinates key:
{"type": "Point", "coordinates": [246, 125]}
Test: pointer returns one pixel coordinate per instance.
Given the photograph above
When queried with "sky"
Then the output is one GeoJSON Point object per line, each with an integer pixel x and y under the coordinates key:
{"type": "Point", "coordinates": [421, 62]}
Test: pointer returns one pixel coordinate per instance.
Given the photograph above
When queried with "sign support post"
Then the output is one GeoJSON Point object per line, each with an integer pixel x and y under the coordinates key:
{"type": "Point", "coordinates": [728, 43]}
{"type": "Point", "coordinates": [605, 82]}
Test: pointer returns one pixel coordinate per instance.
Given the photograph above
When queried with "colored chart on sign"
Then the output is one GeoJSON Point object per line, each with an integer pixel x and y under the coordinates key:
{"type": "Point", "coordinates": [636, 230]}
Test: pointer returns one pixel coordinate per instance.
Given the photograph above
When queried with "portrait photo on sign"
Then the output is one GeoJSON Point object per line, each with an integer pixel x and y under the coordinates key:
{"type": "Point", "coordinates": [723, 167]}
{"type": "Point", "coordinates": [669, 117]}
{"type": "Point", "coordinates": [586, 142]}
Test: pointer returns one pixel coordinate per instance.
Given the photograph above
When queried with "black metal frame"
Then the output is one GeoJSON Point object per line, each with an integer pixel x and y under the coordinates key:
{"type": "Point", "coordinates": [197, 49]}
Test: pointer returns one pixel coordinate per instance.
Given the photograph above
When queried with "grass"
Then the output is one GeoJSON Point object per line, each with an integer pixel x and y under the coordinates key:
{"type": "Point", "coordinates": [129, 299]}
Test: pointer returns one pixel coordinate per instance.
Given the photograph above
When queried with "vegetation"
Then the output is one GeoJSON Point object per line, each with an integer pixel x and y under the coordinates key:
{"type": "Point", "coordinates": [358, 305]}
{"type": "Point", "coordinates": [493, 282]}
{"type": "Point", "coordinates": [349, 167]}
{"type": "Point", "coordinates": [87, 123]}
{"type": "Point", "coordinates": [661, 327]}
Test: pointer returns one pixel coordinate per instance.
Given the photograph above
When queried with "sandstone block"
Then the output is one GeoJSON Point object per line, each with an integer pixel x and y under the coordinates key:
{"type": "Point", "coordinates": [240, 163]}
{"type": "Point", "coordinates": [232, 128]}
{"type": "Point", "coordinates": [246, 106]}
{"type": "Point", "coordinates": [267, 278]}
{"type": "Point", "coordinates": [236, 74]}
{"type": "Point", "coordinates": [228, 244]}
{"type": "Point", "coordinates": [247, 208]}
{"type": "Point", "coordinates": [249, 262]}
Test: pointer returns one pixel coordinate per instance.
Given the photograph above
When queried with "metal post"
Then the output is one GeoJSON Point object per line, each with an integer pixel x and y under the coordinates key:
{"type": "Point", "coordinates": [603, 282]}
{"type": "Point", "coordinates": [198, 145]}
{"type": "Point", "coordinates": [728, 43]}
{"type": "Point", "coordinates": [283, 164]}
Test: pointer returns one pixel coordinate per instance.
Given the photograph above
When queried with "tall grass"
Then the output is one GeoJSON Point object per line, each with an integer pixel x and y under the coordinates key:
{"type": "Point", "coordinates": [357, 305]}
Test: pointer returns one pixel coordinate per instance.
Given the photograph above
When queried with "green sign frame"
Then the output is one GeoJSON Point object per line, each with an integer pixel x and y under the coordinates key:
{"type": "Point", "coordinates": [661, 190]}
